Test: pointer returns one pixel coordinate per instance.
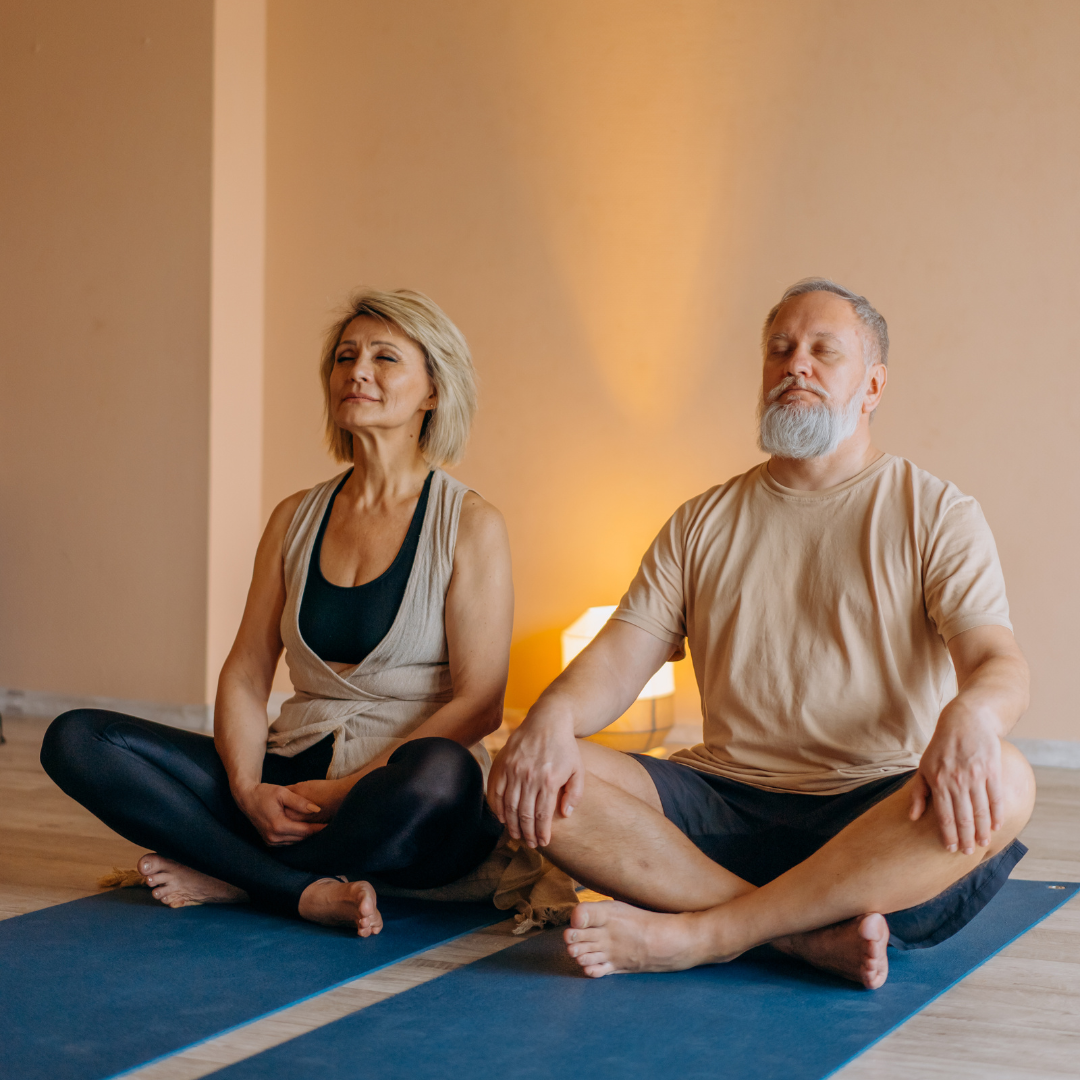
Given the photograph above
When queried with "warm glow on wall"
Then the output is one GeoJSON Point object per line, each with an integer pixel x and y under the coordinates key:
{"type": "Point", "coordinates": [576, 636]}
{"type": "Point", "coordinates": [647, 722]}
{"type": "Point", "coordinates": [620, 148]}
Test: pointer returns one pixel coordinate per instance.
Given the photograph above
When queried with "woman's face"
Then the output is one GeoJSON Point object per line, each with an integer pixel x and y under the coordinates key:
{"type": "Point", "coordinates": [379, 379]}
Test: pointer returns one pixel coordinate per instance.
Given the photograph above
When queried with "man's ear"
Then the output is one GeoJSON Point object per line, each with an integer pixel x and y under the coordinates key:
{"type": "Point", "coordinates": [879, 376]}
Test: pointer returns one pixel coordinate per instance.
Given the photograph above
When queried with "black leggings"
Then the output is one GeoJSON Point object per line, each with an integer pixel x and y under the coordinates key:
{"type": "Point", "coordinates": [417, 822]}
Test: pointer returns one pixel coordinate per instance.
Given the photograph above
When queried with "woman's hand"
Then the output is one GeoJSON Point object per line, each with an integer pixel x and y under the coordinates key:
{"type": "Point", "coordinates": [328, 795]}
{"type": "Point", "coordinates": [270, 809]}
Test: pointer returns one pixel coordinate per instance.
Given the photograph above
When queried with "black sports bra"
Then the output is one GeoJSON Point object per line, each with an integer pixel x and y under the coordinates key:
{"type": "Point", "coordinates": [343, 623]}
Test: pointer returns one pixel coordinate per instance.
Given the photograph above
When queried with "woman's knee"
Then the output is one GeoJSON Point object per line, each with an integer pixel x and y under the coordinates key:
{"type": "Point", "coordinates": [439, 771]}
{"type": "Point", "coordinates": [68, 739]}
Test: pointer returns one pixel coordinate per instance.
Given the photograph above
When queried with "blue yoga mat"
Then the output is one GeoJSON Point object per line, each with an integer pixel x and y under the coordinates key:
{"type": "Point", "coordinates": [527, 1014]}
{"type": "Point", "coordinates": [98, 986]}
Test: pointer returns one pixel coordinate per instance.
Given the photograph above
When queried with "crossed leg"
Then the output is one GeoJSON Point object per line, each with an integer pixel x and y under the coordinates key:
{"type": "Point", "coordinates": [676, 908]}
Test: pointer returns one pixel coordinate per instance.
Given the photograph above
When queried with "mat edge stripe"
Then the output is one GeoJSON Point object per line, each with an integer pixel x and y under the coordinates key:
{"type": "Point", "coordinates": [930, 1001]}
{"type": "Point", "coordinates": [299, 1001]}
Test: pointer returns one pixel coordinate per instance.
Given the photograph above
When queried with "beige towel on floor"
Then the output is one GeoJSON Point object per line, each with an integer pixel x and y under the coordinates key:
{"type": "Point", "coordinates": [513, 876]}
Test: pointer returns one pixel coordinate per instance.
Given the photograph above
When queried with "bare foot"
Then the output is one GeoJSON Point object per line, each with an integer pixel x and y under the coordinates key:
{"type": "Point", "coordinates": [341, 903]}
{"type": "Point", "coordinates": [176, 885]}
{"type": "Point", "coordinates": [855, 950]}
{"type": "Point", "coordinates": [612, 938]}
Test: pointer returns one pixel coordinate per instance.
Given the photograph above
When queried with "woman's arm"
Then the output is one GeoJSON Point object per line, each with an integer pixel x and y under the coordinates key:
{"type": "Point", "coordinates": [244, 688]}
{"type": "Point", "coordinates": [479, 619]}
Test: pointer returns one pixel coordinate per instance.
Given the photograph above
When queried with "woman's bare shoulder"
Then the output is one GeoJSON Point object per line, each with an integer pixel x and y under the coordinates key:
{"type": "Point", "coordinates": [481, 526]}
{"type": "Point", "coordinates": [282, 515]}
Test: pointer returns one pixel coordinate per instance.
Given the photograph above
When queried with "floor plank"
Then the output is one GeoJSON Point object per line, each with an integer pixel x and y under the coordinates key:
{"type": "Point", "coordinates": [51, 849]}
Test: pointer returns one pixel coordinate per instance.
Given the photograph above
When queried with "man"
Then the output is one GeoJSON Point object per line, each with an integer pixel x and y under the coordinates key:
{"type": "Point", "coordinates": [840, 801]}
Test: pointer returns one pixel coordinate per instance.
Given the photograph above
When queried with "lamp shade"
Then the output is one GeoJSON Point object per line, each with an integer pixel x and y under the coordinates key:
{"type": "Point", "coordinates": [576, 636]}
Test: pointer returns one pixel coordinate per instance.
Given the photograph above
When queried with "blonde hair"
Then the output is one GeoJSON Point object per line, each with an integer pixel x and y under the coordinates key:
{"type": "Point", "coordinates": [445, 429]}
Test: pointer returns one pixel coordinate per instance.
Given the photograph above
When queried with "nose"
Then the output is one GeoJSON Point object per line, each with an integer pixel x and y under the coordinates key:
{"type": "Point", "coordinates": [800, 361]}
{"type": "Point", "coordinates": [360, 370]}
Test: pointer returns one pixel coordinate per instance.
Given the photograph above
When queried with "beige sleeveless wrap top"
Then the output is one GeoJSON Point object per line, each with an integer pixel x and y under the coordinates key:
{"type": "Point", "coordinates": [404, 679]}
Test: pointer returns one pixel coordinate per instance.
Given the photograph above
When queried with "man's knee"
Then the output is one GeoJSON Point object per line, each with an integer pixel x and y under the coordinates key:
{"type": "Point", "coordinates": [619, 770]}
{"type": "Point", "coordinates": [1017, 788]}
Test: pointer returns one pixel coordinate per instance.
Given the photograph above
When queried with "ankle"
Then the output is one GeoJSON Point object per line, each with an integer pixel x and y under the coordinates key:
{"type": "Point", "coordinates": [713, 937]}
{"type": "Point", "coordinates": [314, 894]}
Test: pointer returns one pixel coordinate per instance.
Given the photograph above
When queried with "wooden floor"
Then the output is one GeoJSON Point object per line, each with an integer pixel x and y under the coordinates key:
{"type": "Point", "coordinates": [1017, 1017]}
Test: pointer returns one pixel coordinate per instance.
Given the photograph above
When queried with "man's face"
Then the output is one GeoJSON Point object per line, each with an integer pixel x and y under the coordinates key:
{"type": "Point", "coordinates": [817, 390]}
{"type": "Point", "coordinates": [816, 337]}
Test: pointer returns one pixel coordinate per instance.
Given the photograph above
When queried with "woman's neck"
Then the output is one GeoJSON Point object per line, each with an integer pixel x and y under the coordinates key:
{"type": "Point", "coordinates": [384, 473]}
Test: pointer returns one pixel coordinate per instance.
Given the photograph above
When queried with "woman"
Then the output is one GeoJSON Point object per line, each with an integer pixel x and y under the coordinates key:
{"type": "Point", "coordinates": [389, 588]}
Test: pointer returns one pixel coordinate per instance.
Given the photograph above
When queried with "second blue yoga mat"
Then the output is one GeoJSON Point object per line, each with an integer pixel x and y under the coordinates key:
{"type": "Point", "coordinates": [527, 1014]}
{"type": "Point", "coordinates": [101, 985]}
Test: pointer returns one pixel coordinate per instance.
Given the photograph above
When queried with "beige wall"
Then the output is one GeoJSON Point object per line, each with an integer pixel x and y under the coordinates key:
{"type": "Point", "coordinates": [608, 196]}
{"type": "Point", "coordinates": [104, 286]}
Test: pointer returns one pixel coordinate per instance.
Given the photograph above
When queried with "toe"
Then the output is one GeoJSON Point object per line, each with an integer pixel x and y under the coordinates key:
{"type": "Point", "coordinates": [586, 915]}
{"type": "Point", "coordinates": [592, 959]}
{"type": "Point", "coordinates": [597, 971]}
{"type": "Point", "coordinates": [579, 917]}
{"type": "Point", "coordinates": [874, 928]}
{"type": "Point", "coordinates": [582, 944]}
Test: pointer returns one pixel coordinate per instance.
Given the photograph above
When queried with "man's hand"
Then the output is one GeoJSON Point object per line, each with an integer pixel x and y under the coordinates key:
{"type": "Point", "coordinates": [538, 773]}
{"type": "Point", "coordinates": [268, 807]}
{"type": "Point", "coordinates": [960, 772]}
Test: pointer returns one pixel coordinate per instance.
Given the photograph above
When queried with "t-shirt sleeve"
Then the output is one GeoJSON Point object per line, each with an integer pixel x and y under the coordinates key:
{"type": "Point", "coordinates": [655, 601]}
{"type": "Point", "coordinates": [962, 581]}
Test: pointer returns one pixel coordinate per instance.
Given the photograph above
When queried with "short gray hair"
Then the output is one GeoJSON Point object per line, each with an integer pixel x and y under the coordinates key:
{"type": "Point", "coordinates": [867, 314]}
{"type": "Point", "coordinates": [449, 366]}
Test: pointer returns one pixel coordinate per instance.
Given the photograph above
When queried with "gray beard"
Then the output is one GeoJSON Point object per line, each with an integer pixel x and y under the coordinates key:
{"type": "Point", "coordinates": [807, 431]}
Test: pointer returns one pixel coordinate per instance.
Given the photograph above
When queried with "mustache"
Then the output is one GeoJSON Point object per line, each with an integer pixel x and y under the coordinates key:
{"type": "Point", "coordinates": [795, 382]}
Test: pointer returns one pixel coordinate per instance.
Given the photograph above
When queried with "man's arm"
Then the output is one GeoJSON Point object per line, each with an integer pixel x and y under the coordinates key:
{"type": "Point", "coordinates": [539, 770]}
{"type": "Point", "coordinates": [960, 770]}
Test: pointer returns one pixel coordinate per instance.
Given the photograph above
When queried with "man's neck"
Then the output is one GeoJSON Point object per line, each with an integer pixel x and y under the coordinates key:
{"type": "Point", "coordinates": [815, 474]}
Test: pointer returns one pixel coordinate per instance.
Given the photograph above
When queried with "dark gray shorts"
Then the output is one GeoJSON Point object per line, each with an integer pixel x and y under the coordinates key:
{"type": "Point", "coordinates": [759, 835]}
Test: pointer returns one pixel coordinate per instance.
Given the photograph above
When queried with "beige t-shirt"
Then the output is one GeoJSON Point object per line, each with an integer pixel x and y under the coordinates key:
{"type": "Point", "coordinates": [817, 620]}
